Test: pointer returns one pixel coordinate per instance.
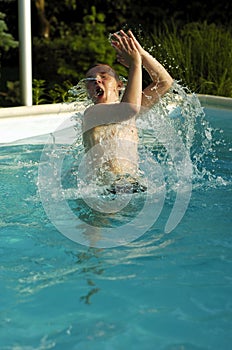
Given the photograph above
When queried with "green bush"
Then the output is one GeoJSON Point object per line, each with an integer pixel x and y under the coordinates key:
{"type": "Point", "coordinates": [197, 54]}
{"type": "Point", "coordinates": [6, 39]}
{"type": "Point", "coordinates": [69, 56]}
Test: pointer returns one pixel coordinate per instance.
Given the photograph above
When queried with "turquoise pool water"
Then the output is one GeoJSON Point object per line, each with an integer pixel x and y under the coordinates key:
{"type": "Point", "coordinates": [161, 291]}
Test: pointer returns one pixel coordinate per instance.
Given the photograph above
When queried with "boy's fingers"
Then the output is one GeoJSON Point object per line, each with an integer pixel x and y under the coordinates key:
{"type": "Point", "coordinates": [115, 46]}
{"type": "Point", "coordinates": [126, 42]}
{"type": "Point", "coordinates": [123, 33]}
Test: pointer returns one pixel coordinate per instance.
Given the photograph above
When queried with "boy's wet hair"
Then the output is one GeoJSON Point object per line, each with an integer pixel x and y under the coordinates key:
{"type": "Point", "coordinates": [105, 64]}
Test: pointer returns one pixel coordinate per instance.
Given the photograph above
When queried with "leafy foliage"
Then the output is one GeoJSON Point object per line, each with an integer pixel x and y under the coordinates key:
{"type": "Point", "coordinates": [6, 43]}
{"type": "Point", "coordinates": [6, 40]}
{"type": "Point", "coordinates": [193, 42]}
{"type": "Point", "coordinates": [70, 55]}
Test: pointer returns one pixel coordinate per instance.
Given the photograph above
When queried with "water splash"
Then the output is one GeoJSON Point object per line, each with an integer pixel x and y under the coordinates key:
{"type": "Point", "coordinates": [79, 93]}
{"type": "Point", "coordinates": [182, 112]}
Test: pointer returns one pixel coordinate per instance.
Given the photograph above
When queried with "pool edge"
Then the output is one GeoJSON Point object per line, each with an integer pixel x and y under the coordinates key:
{"type": "Point", "coordinates": [36, 110]}
{"type": "Point", "coordinates": [215, 101]}
{"type": "Point", "coordinates": [58, 108]}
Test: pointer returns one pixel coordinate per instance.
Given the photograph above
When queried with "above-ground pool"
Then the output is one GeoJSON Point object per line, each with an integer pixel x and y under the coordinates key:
{"type": "Point", "coordinates": [167, 291]}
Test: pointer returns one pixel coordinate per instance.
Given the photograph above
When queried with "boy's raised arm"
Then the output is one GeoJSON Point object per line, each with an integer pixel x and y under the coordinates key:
{"type": "Point", "coordinates": [161, 79]}
{"type": "Point", "coordinates": [129, 55]}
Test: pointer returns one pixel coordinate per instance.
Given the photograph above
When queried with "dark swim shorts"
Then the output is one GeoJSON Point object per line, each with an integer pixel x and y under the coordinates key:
{"type": "Point", "coordinates": [126, 184]}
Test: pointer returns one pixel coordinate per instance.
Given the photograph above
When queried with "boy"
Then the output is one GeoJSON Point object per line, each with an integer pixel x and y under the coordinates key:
{"type": "Point", "coordinates": [109, 126]}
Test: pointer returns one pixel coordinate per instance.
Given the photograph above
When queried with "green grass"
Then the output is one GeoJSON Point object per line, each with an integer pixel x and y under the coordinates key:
{"type": "Point", "coordinates": [198, 54]}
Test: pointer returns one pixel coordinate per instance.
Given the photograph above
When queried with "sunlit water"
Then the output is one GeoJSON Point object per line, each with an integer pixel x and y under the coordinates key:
{"type": "Point", "coordinates": [162, 291]}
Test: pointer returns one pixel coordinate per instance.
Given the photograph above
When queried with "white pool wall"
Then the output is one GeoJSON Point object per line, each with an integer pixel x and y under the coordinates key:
{"type": "Point", "coordinates": [17, 123]}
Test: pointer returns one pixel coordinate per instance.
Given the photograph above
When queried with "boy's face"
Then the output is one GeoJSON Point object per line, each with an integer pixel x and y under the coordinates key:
{"type": "Point", "coordinates": [102, 85]}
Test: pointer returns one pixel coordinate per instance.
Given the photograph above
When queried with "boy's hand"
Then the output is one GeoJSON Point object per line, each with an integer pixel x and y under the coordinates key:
{"type": "Point", "coordinates": [127, 49]}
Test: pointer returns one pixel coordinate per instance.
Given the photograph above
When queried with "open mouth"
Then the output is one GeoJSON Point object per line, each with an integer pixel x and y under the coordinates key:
{"type": "Point", "coordinates": [99, 91]}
